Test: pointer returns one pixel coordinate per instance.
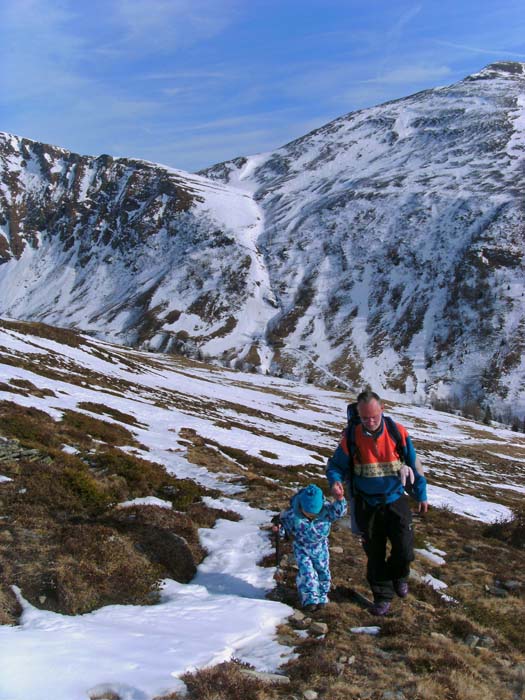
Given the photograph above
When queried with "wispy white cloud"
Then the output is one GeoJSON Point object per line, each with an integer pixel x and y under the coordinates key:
{"type": "Point", "coordinates": [38, 55]}
{"type": "Point", "coordinates": [196, 74]}
{"type": "Point", "coordinates": [503, 54]}
{"type": "Point", "coordinates": [186, 83]}
{"type": "Point", "coordinates": [411, 74]}
{"type": "Point", "coordinates": [162, 25]}
{"type": "Point", "coordinates": [404, 20]}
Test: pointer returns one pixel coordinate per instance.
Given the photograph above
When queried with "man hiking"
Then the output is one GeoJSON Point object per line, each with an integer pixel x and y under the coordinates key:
{"type": "Point", "coordinates": [373, 458]}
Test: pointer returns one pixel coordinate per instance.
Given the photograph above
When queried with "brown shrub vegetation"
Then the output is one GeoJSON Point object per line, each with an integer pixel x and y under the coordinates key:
{"type": "Point", "coordinates": [97, 566]}
{"type": "Point", "coordinates": [108, 411]}
{"type": "Point", "coordinates": [110, 433]}
{"type": "Point", "coordinates": [511, 531]}
{"type": "Point", "coordinates": [223, 681]}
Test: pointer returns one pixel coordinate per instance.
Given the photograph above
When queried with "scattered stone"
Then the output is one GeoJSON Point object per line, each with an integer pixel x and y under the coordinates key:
{"type": "Point", "coordinates": [343, 659]}
{"type": "Point", "coordinates": [497, 592]}
{"type": "Point", "coordinates": [319, 628]}
{"type": "Point", "coordinates": [303, 624]}
{"type": "Point", "coordinates": [266, 677]}
{"type": "Point", "coordinates": [469, 548]}
{"type": "Point", "coordinates": [393, 695]}
{"type": "Point", "coordinates": [351, 660]}
{"type": "Point", "coordinates": [511, 585]}
{"type": "Point", "coordinates": [486, 642]}
{"type": "Point", "coordinates": [310, 695]}
{"type": "Point", "coordinates": [472, 640]}
{"type": "Point", "coordinates": [337, 550]}
{"type": "Point", "coordinates": [297, 616]}
{"type": "Point", "coordinates": [440, 637]}
{"type": "Point", "coordinates": [42, 599]}
{"type": "Point", "coordinates": [387, 655]}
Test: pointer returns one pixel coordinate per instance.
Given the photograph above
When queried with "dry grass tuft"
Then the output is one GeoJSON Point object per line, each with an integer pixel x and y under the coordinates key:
{"type": "Point", "coordinates": [110, 433]}
{"type": "Point", "coordinates": [108, 411]}
{"type": "Point", "coordinates": [99, 567]}
{"type": "Point", "coordinates": [511, 531]}
{"type": "Point", "coordinates": [220, 682]}
{"type": "Point", "coordinates": [28, 425]}
{"type": "Point", "coordinates": [144, 478]}
{"type": "Point", "coordinates": [64, 336]}
{"type": "Point", "coordinates": [63, 489]}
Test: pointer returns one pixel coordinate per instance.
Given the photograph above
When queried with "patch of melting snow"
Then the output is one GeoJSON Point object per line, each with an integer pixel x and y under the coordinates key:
{"type": "Point", "coordinates": [70, 450]}
{"type": "Point", "coordinates": [433, 556]}
{"type": "Point", "coordinates": [439, 586]}
{"type": "Point", "coordinates": [372, 629]}
{"type": "Point", "coordinates": [146, 501]}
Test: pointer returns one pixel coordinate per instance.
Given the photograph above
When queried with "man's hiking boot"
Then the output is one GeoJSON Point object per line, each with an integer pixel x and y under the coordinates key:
{"type": "Point", "coordinates": [401, 588]}
{"type": "Point", "coordinates": [380, 608]}
{"type": "Point", "coordinates": [311, 607]}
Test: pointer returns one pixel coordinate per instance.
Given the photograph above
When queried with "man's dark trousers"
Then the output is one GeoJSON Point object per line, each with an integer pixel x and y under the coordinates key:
{"type": "Point", "coordinates": [378, 524]}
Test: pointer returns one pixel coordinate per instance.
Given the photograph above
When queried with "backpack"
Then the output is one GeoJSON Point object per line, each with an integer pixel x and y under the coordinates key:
{"type": "Point", "coordinates": [353, 420]}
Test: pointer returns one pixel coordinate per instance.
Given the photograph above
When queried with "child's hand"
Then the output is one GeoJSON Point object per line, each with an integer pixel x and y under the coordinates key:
{"type": "Point", "coordinates": [338, 491]}
{"type": "Point", "coordinates": [275, 528]}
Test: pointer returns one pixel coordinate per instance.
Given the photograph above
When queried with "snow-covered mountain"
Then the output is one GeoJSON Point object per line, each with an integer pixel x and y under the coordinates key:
{"type": "Point", "coordinates": [385, 247]}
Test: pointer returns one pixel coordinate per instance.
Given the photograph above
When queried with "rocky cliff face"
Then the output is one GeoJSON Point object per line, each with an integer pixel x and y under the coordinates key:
{"type": "Point", "coordinates": [129, 250]}
{"type": "Point", "coordinates": [386, 247]}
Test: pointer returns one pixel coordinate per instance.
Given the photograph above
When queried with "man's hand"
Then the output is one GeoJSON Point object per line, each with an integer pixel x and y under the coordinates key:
{"type": "Point", "coordinates": [423, 507]}
{"type": "Point", "coordinates": [406, 473]}
{"type": "Point", "coordinates": [338, 491]}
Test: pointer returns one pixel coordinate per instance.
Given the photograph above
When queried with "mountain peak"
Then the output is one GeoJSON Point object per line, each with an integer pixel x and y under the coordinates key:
{"type": "Point", "coordinates": [502, 69]}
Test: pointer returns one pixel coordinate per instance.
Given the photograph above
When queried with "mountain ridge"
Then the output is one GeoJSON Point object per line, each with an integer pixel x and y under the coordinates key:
{"type": "Point", "coordinates": [385, 247]}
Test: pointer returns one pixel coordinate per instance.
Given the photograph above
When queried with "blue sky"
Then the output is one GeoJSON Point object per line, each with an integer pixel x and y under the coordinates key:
{"type": "Point", "coordinates": [189, 83]}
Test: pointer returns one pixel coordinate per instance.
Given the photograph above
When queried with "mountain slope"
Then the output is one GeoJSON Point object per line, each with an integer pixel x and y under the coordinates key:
{"type": "Point", "coordinates": [385, 247]}
{"type": "Point", "coordinates": [207, 447]}
{"type": "Point", "coordinates": [123, 248]}
{"type": "Point", "coordinates": [396, 236]}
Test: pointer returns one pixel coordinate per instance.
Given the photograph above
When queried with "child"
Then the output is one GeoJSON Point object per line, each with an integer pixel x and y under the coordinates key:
{"type": "Point", "coordinates": [309, 519]}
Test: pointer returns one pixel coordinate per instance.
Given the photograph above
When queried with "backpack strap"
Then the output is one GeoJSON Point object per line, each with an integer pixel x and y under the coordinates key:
{"type": "Point", "coordinates": [394, 433]}
{"type": "Point", "coordinates": [352, 449]}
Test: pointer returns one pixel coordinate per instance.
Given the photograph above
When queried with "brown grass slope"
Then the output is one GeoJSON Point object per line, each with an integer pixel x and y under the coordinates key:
{"type": "Point", "coordinates": [63, 542]}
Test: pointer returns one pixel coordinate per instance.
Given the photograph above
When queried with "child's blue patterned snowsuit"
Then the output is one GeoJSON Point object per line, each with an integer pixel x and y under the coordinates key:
{"type": "Point", "coordinates": [310, 548]}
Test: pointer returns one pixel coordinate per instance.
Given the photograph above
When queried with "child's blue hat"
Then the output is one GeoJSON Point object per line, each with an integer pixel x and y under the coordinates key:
{"type": "Point", "coordinates": [311, 499]}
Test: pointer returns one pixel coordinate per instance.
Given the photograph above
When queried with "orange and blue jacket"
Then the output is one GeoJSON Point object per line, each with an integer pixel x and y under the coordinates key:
{"type": "Point", "coordinates": [376, 466]}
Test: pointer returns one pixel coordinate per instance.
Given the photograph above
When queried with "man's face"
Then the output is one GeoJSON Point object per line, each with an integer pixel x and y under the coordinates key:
{"type": "Point", "coordinates": [370, 414]}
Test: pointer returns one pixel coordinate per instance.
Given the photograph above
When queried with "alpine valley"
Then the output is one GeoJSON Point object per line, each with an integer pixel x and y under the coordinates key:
{"type": "Point", "coordinates": [386, 247]}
